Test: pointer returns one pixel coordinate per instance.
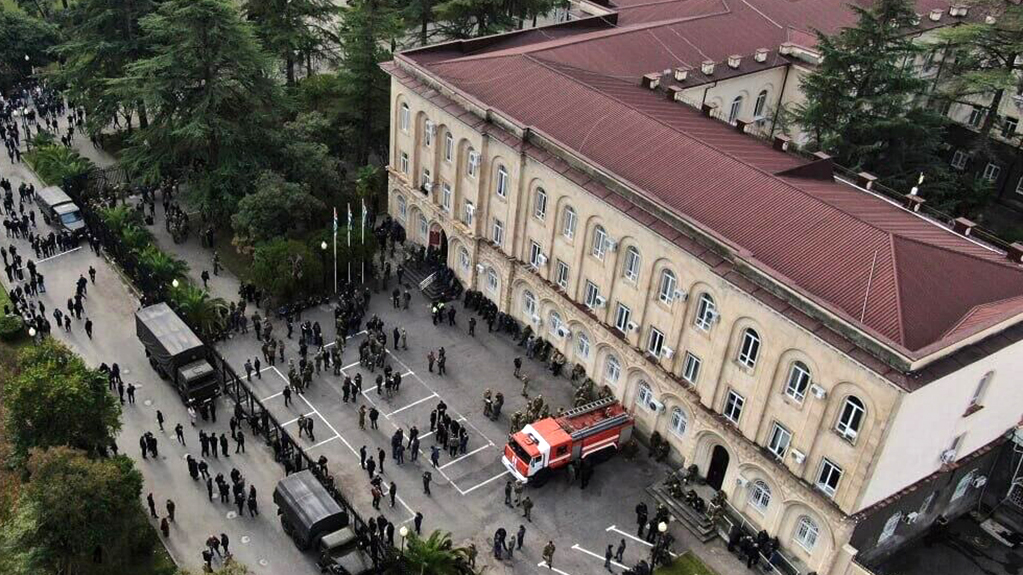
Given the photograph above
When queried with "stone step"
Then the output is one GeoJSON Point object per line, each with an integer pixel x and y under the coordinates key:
{"type": "Point", "coordinates": [698, 524]}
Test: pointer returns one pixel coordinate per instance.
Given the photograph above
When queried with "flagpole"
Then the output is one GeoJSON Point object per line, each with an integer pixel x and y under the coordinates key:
{"type": "Point", "coordinates": [362, 226]}
{"type": "Point", "coordinates": [349, 244]}
{"type": "Point", "coordinates": [335, 250]}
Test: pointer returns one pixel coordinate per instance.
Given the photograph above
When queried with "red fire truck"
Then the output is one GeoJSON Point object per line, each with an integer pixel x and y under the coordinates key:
{"type": "Point", "coordinates": [593, 432]}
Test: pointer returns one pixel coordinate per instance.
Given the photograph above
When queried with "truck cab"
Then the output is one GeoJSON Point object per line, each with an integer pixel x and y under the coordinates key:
{"type": "Point", "coordinates": [176, 353]}
{"type": "Point", "coordinates": [60, 211]}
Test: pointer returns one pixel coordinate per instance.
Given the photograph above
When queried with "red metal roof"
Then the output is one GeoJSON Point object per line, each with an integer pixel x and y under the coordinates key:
{"type": "Point", "coordinates": [902, 278]}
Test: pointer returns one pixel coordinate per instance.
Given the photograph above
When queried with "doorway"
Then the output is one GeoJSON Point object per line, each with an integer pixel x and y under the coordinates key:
{"type": "Point", "coordinates": [718, 467]}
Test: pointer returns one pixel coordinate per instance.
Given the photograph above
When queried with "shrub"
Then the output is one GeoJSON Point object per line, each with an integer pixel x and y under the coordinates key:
{"type": "Point", "coordinates": [286, 269]}
{"type": "Point", "coordinates": [55, 163]}
{"type": "Point", "coordinates": [10, 327]}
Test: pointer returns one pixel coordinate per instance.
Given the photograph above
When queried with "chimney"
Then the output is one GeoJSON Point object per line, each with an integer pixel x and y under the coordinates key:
{"type": "Point", "coordinates": [781, 143]}
{"type": "Point", "coordinates": [1015, 253]}
{"type": "Point", "coordinates": [681, 74]}
{"type": "Point", "coordinates": [741, 125]}
{"type": "Point", "coordinates": [935, 15]}
{"type": "Point", "coordinates": [989, 19]}
{"type": "Point", "coordinates": [963, 226]}
{"type": "Point", "coordinates": [916, 19]}
{"type": "Point", "coordinates": [761, 55]}
{"type": "Point", "coordinates": [734, 60]}
{"type": "Point", "coordinates": [651, 81]}
{"type": "Point", "coordinates": [674, 93]}
{"type": "Point", "coordinates": [786, 48]}
{"type": "Point", "coordinates": [865, 180]}
{"type": "Point", "coordinates": [958, 10]}
{"type": "Point", "coordinates": [913, 202]}
{"type": "Point", "coordinates": [707, 109]}
{"type": "Point", "coordinates": [707, 67]}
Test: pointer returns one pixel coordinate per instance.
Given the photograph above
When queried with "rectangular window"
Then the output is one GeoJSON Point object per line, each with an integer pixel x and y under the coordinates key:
{"type": "Point", "coordinates": [404, 118]}
{"type": "Point", "coordinates": [656, 342]}
{"type": "Point", "coordinates": [568, 223]}
{"type": "Point", "coordinates": [427, 181]}
{"type": "Point", "coordinates": [535, 254]}
{"type": "Point", "coordinates": [540, 209]}
{"type": "Point", "coordinates": [472, 166]}
{"type": "Point", "coordinates": [691, 368]}
{"type": "Point", "coordinates": [991, 172]}
{"type": "Point", "coordinates": [561, 275]}
{"type": "Point", "coordinates": [779, 441]}
{"type": "Point", "coordinates": [622, 316]}
{"type": "Point", "coordinates": [828, 478]}
{"type": "Point", "coordinates": [959, 160]}
{"type": "Point", "coordinates": [976, 116]}
{"type": "Point", "coordinates": [470, 210]}
{"type": "Point", "coordinates": [445, 196]}
{"type": "Point", "coordinates": [591, 294]}
{"type": "Point", "coordinates": [449, 147]}
{"type": "Point", "coordinates": [706, 311]}
{"type": "Point", "coordinates": [498, 235]}
{"type": "Point", "coordinates": [404, 163]}
{"type": "Point", "coordinates": [431, 131]}
{"type": "Point", "coordinates": [502, 182]}
{"type": "Point", "coordinates": [1009, 127]}
{"type": "Point", "coordinates": [733, 406]}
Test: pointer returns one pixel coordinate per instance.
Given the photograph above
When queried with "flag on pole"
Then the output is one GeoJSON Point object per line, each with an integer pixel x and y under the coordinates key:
{"type": "Point", "coordinates": [335, 223]}
{"type": "Point", "coordinates": [362, 225]}
{"type": "Point", "coordinates": [349, 225]}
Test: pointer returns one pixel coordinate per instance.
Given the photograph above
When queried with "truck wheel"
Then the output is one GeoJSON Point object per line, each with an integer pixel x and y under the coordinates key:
{"type": "Point", "coordinates": [541, 478]}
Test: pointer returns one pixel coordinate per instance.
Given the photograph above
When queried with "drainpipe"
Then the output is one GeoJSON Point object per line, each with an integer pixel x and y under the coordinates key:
{"type": "Point", "coordinates": [705, 90]}
{"type": "Point", "coordinates": [777, 109]}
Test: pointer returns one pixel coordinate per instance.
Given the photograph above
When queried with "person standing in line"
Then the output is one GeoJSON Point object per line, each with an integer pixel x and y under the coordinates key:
{"type": "Point", "coordinates": [608, 554]}
{"type": "Point", "coordinates": [548, 554]}
{"type": "Point", "coordinates": [620, 553]}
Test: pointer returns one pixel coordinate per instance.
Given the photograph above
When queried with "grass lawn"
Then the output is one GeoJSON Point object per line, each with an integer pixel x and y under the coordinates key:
{"type": "Point", "coordinates": [159, 563]}
{"type": "Point", "coordinates": [237, 263]}
{"type": "Point", "coordinates": [686, 564]}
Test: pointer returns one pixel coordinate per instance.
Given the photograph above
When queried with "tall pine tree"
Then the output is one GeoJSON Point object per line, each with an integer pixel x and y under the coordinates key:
{"type": "Point", "coordinates": [288, 28]}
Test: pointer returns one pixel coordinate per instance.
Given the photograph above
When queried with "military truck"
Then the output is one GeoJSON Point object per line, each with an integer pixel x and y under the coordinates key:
{"type": "Point", "coordinates": [315, 521]}
{"type": "Point", "coordinates": [176, 353]}
{"type": "Point", "coordinates": [60, 211]}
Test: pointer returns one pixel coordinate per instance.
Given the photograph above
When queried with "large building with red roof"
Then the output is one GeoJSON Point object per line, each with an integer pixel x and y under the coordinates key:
{"type": "Point", "coordinates": [824, 353]}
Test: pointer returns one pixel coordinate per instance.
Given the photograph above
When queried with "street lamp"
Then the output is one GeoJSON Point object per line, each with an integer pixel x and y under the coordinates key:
{"type": "Point", "coordinates": [175, 283]}
{"type": "Point", "coordinates": [661, 528]}
{"type": "Point", "coordinates": [32, 334]}
{"type": "Point", "coordinates": [404, 533]}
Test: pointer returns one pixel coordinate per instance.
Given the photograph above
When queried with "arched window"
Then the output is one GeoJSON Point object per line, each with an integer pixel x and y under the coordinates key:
{"type": "Point", "coordinates": [599, 242]}
{"type": "Point", "coordinates": [758, 107]}
{"type": "Point", "coordinates": [631, 267]}
{"type": "Point", "coordinates": [555, 322]}
{"type": "Point", "coordinates": [798, 382]}
{"type": "Point", "coordinates": [449, 147]}
{"type": "Point", "coordinates": [502, 182]}
{"type": "Point", "coordinates": [430, 130]}
{"type": "Point", "coordinates": [568, 220]}
{"type": "Point", "coordinates": [472, 163]}
{"type": "Point", "coordinates": [679, 421]}
{"type": "Point", "coordinates": [733, 112]}
{"type": "Point", "coordinates": [529, 303]}
{"type": "Point", "coordinates": [463, 259]}
{"type": "Point", "coordinates": [405, 118]}
{"type": "Point", "coordinates": [491, 280]}
{"type": "Point", "coordinates": [424, 227]}
{"type": "Point", "coordinates": [540, 204]}
{"type": "Point", "coordinates": [402, 207]}
{"type": "Point", "coordinates": [666, 291]}
{"type": "Point", "coordinates": [749, 350]}
{"type": "Point", "coordinates": [612, 369]}
{"type": "Point", "coordinates": [851, 417]}
{"type": "Point", "coordinates": [582, 345]}
{"type": "Point", "coordinates": [644, 395]}
{"type": "Point", "coordinates": [706, 312]}
{"type": "Point", "coordinates": [807, 532]}
{"type": "Point", "coordinates": [760, 495]}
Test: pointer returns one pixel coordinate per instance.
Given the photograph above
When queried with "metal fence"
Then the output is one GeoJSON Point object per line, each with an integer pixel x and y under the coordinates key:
{"type": "Point", "coordinates": [778, 561]}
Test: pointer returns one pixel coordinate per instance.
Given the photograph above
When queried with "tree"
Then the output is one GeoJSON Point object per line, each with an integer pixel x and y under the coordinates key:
{"type": "Point", "coordinates": [860, 100]}
{"type": "Point", "coordinates": [287, 269]}
{"type": "Point", "coordinates": [71, 507]}
{"type": "Point", "coordinates": [276, 209]}
{"type": "Point", "coordinates": [468, 18]}
{"type": "Point", "coordinates": [987, 62]}
{"type": "Point", "coordinates": [287, 27]}
{"type": "Point", "coordinates": [161, 267]}
{"type": "Point", "coordinates": [102, 39]}
{"type": "Point", "coordinates": [206, 89]}
{"type": "Point", "coordinates": [22, 35]}
{"type": "Point", "coordinates": [57, 400]}
{"type": "Point", "coordinates": [366, 27]}
{"type": "Point", "coordinates": [198, 309]}
{"type": "Point", "coordinates": [436, 555]}
{"type": "Point", "coordinates": [305, 155]}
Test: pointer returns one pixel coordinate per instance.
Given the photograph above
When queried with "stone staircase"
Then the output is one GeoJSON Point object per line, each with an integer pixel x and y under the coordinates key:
{"type": "Point", "coordinates": [422, 276]}
{"type": "Point", "coordinates": [697, 523]}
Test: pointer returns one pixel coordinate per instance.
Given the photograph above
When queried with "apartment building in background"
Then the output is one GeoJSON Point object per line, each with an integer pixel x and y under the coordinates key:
{"type": "Point", "coordinates": [845, 369]}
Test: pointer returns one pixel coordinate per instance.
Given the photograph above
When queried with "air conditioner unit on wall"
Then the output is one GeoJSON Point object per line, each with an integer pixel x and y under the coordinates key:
{"type": "Point", "coordinates": [798, 456]}
{"type": "Point", "coordinates": [655, 406]}
{"type": "Point", "coordinates": [681, 295]}
{"type": "Point", "coordinates": [536, 319]}
{"type": "Point", "coordinates": [564, 332]}
{"type": "Point", "coordinates": [481, 268]}
{"type": "Point", "coordinates": [541, 259]}
{"type": "Point", "coordinates": [818, 391]}
{"type": "Point", "coordinates": [632, 326]}
{"type": "Point", "coordinates": [667, 352]}
{"type": "Point", "coordinates": [741, 481]}
{"type": "Point", "coordinates": [980, 481]}
{"type": "Point", "coordinates": [612, 244]}
{"type": "Point", "coordinates": [599, 301]}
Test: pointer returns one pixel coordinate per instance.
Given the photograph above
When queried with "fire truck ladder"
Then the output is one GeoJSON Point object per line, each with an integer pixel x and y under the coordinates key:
{"type": "Point", "coordinates": [598, 427]}
{"type": "Point", "coordinates": [592, 406]}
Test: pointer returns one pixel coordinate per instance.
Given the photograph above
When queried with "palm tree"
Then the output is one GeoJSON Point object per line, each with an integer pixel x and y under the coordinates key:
{"type": "Point", "coordinates": [436, 555]}
{"type": "Point", "coordinates": [136, 238]}
{"type": "Point", "coordinates": [120, 217]}
{"type": "Point", "coordinates": [200, 311]}
{"type": "Point", "coordinates": [162, 267]}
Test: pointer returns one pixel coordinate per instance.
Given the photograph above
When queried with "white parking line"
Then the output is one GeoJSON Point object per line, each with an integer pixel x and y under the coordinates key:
{"type": "Point", "coordinates": [290, 421]}
{"type": "Point", "coordinates": [269, 397]}
{"type": "Point", "coordinates": [407, 373]}
{"type": "Point", "coordinates": [457, 459]}
{"type": "Point", "coordinates": [58, 255]}
{"type": "Point", "coordinates": [588, 552]}
{"type": "Point", "coordinates": [323, 442]}
{"type": "Point", "coordinates": [413, 404]}
{"type": "Point", "coordinates": [634, 538]}
{"type": "Point", "coordinates": [478, 485]}
{"type": "Point", "coordinates": [544, 565]}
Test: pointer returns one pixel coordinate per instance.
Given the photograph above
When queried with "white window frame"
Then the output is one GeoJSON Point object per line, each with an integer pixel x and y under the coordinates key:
{"type": "Point", "coordinates": [691, 368]}
{"type": "Point", "coordinates": [706, 311]}
{"type": "Point", "coordinates": [668, 286]}
{"type": "Point", "coordinates": [623, 315]}
{"type": "Point", "coordinates": [749, 349]}
{"type": "Point", "coordinates": [402, 207]}
{"type": "Point", "coordinates": [798, 381]}
{"type": "Point", "coordinates": [535, 251]}
{"type": "Point", "coordinates": [468, 211]}
{"type": "Point", "coordinates": [464, 259]}
{"type": "Point", "coordinates": [492, 280]}
{"type": "Point", "coordinates": [429, 133]}
{"type": "Point", "coordinates": [991, 172]}
{"type": "Point", "coordinates": [568, 222]}
{"type": "Point", "coordinates": [779, 440]}
{"type": "Point", "coordinates": [643, 395]}
{"type": "Point", "coordinates": [807, 533]}
{"type": "Point", "coordinates": [529, 304]}
{"type": "Point", "coordinates": [733, 406]}
{"type": "Point", "coordinates": [405, 117]}
{"type": "Point", "coordinates": [472, 163]}
{"type": "Point", "coordinates": [630, 269]}
{"type": "Point", "coordinates": [599, 248]}
{"type": "Point", "coordinates": [424, 227]}
{"type": "Point", "coordinates": [426, 179]}
{"type": "Point", "coordinates": [679, 421]}
{"type": "Point", "coordinates": [612, 370]}
{"type": "Point", "coordinates": [590, 294]}
{"type": "Point", "coordinates": [760, 496]}
{"type": "Point", "coordinates": [554, 322]}
{"type": "Point", "coordinates": [829, 470]}
{"type": "Point", "coordinates": [735, 109]}
{"type": "Point", "coordinates": [851, 417]}
{"type": "Point", "coordinates": [502, 182]}
{"type": "Point", "coordinates": [758, 107]}
{"type": "Point", "coordinates": [449, 147]}
{"type": "Point", "coordinates": [959, 159]}
{"type": "Point", "coordinates": [582, 346]}
{"type": "Point", "coordinates": [540, 204]}
{"type": "Point", "coordinates": [403, 163]}
{"type": "Point", "coordinates": [446, 195]}
{"type": "Point", "coordinates": [561, 274]}
{"type": "Point", "coordinates": [976, 117]}
{"type": "Point", "coordinates": [1009, 127]}
{"type": "Point", "coordinates": [981, 389]}
{"type": "Point", "coordinates": [655, 342]}
{"type": "Point", "coordinates": [497, 232]}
